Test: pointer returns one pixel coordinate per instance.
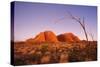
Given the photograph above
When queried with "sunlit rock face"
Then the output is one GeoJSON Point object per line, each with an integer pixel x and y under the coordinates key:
{"type": "Point", "coordinates": [47, 36]}
{"type": "Point", "coordinates": [50, 36]}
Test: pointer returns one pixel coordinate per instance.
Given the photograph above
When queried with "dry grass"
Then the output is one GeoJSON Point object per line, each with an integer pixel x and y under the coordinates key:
{"type": "Point", "coordinates": [45, 53]}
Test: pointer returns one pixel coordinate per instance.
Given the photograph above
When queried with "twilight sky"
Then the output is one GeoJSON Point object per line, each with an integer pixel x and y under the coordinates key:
{"type": "Point", "coordinates": [32, 18]}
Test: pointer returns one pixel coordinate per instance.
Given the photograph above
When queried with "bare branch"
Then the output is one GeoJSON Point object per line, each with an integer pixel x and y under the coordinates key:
{"type": "Point", "coordinates": [64, 17]}
{"type": "Point", "coordinates": [82, 23]}
{"type": "Point", "coordinates": [92, 36]}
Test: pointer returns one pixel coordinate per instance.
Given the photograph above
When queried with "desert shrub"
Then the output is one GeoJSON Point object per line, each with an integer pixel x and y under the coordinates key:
{"type": "Point", "coordinates": [88, 53]}
{"type": "Point", "coordinates": [64, 57]}
{"type": "Point", "coordinates": [76, 54]}
{"type": "Point", "coordinates": [73, 55]}
{"type": "Point", "coordinates": [19, 61]}
{"type": "Point", "coordinates": [44, 47]}
{"type": "Point", "coordinates": [54, 58]}
{"type": "Point", "coordinates": [36, 56]}
{"type": "Point", "coordinates": [91, 51]}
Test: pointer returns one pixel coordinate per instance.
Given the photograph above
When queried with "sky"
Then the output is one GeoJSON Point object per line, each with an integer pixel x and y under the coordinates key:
{"type": "Point", "coordinates": [32, 18]}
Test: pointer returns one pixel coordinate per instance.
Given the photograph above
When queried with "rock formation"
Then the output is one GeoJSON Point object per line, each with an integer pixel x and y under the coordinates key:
{"type": "Point", "coordinates": [49, 36]}
{"type": "Point", "coordinates": [68, 37]}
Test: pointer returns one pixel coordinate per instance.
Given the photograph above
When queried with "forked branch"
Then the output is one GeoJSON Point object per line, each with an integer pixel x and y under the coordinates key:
{"type": "Point", "coordinates": [82, 24]}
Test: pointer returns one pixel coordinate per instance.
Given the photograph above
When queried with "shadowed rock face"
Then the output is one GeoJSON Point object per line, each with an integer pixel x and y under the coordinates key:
{"type": "Point", "coordinates": [68, 37]}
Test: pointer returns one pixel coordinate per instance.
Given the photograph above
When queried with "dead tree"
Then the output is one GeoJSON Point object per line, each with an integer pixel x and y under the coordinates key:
{"type": "Point", "coordinates": [92, 37]}
{"type": "Point", "coordinates": [81, 22]}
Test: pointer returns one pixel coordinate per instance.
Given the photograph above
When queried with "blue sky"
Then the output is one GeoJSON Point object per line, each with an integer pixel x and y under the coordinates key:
{"type": "Point", "coordinates": [32, 18]}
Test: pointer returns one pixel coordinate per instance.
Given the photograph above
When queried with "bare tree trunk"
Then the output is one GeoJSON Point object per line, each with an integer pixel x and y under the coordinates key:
{"type": "Point", "coordinates": [82, 23]}
{"type": "Point", "coordinates": [85, 33]}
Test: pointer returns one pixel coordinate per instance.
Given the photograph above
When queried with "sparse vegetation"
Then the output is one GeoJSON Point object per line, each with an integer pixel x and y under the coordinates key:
{"type": "Point", "coordinates": [50, 53]}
